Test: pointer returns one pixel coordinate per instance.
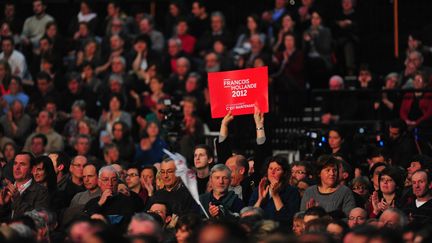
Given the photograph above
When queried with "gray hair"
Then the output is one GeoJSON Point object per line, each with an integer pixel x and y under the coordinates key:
{"type": "Point", "coordinates": [108, 168]}
{"type": "Point", "coordinates": [38, 219]}
{"type": "Point", "coordinates": [195, 75]}
{"type": "Point", "coordinates": [392, 74]}
{"type": "Point", "coordinates": [417, 53]}
{"type": "Point", "coordinates": [219, 14]}
{"type": "Point", "coordinates": [177, 41]}
{"type": "Point", "coordinates": [22, 230]}
{"type": "Point", "coordinates": [253, 210]}
{"type": "Point", "coordinates": [115, 77]}
{"type": "Point", "coordinates": [121, 59]}
{"type": "Point", "coordinates": [183, 59]}
{"type": "Point", "coordinates": [220, 167]}
{"type": "Point", "coordinates": [81, 104]}
{"type": "Point", "coordinates": [79, 156]}
{"type": "Point", "coordinates": [403, 219]}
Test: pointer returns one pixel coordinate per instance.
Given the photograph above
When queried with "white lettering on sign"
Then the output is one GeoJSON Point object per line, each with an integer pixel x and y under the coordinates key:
{"type": "Point", "coordinates": [238, 87]}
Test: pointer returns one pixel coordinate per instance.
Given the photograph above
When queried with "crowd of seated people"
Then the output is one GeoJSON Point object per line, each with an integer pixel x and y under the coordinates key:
{"type": "Point", "coordinates": [87, 111]}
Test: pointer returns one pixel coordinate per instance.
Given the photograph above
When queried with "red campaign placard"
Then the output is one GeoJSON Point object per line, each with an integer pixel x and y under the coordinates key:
{"type": "Point", "coordinates": [239, 91]}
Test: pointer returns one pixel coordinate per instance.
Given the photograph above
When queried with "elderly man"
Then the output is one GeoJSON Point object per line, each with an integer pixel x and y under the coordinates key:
{"type": "Point", "coordinates": [23, 195]}
{"type": "Point", "coordinates": [220, 202]}
{"type": "Point", "coordinates": [115, 207]}
{"type": "Point", "coordinates": [357, 216]}
{"type": "Point", "coordinates": [393, 218]}
{"type": "Point", "coordinates": [241, 183]}
{"type": "Point", "coordinates": [337, 105]}
{"type": "Point", "coordinates": [174, 193]}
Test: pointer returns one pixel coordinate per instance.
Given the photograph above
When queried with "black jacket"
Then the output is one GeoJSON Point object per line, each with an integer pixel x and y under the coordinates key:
{"type": "Point", "coordinates": [34, 197]}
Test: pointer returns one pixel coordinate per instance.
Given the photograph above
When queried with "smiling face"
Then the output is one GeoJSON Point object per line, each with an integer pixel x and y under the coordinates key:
{"type": "Point", "coordinates": [38, 172]}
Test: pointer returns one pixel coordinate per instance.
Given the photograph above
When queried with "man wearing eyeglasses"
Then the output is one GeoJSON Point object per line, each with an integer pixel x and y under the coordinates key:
{"type": "Point", "coordinates": [174, 192]}
{"type": "Point", "coordinates": [299, 171]}
{"type": "Point", "coordinates": [74, 183]}
{"type": "Point", "coordinates": [133, 182]}
{"type": "Point", "coordinates": [115, 207]}
{"type": "Point", "coordinates": [357, 216]}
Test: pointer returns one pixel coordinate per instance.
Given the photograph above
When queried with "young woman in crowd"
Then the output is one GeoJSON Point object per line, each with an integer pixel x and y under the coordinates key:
{"type": "Point", "coordinates": [279, 200]}
{"type": "Point", "coordinates": [389, 194]}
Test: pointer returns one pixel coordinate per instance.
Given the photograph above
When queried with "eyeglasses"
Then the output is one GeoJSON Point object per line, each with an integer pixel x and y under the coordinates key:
{"type": "Point", "coordinates": [131, 175]}
{"type": "Point", "coordinates": [162, 172]}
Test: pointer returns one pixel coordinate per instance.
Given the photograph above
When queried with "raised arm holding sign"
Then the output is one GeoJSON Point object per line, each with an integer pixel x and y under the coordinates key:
{"type": "Point", "coordinates": [238, 91]}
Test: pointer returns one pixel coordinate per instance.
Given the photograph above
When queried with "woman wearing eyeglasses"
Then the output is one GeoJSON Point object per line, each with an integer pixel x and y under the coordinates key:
{"type": "Point", "coordinates": [389, 194]}
{"type": "Point", "coordinates": [360, 186]}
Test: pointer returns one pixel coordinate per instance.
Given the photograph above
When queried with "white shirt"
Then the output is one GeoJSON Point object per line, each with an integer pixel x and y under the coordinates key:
{"type": "Point", "coordinates": [17, 63]}
{"type": "Point", "coordinates": [24, 186]}
{"type": "Point", "coordinates": [419, 204]}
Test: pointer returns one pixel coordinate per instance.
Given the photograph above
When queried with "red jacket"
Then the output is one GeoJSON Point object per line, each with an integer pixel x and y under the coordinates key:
{"type": "Point", "coordinates": [425, 104]}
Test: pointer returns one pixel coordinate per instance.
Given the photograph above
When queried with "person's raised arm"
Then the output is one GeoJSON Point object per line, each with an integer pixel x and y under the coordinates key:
{"type": "Point", "coordinates": [223, 146]}
{"type": "Point", "coordinates": [223, 133]}
{"type": "Point", "coordinates": [259, 124]}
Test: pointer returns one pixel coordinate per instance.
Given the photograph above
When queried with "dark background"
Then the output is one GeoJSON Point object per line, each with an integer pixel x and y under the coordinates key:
{"type": "Point", "coordinates": [376, 19]}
